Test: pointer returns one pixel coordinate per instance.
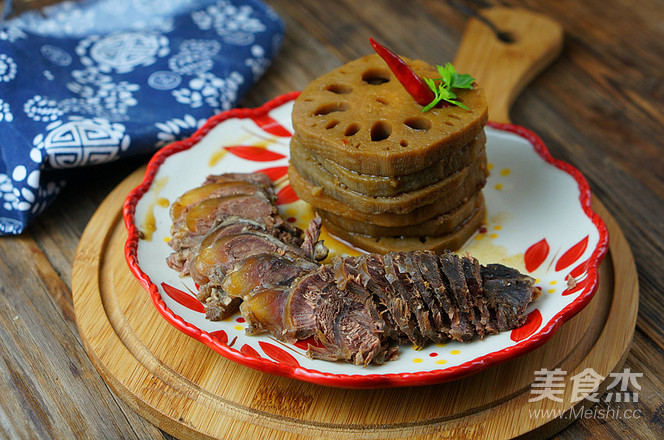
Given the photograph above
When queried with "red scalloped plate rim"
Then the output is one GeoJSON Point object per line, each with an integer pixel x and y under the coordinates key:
{"type": "Point", "coordinates": [371, 380]}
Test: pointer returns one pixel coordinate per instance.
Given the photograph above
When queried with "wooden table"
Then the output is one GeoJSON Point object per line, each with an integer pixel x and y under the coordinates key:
{"type": "Point", "coordinates": [600, 107]}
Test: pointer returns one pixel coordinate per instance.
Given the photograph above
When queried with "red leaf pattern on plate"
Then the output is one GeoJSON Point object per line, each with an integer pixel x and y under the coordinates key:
{"type": "Point", "coordinates": [274, 173]}
{"type": "Point", "coordinates": [536, 254]}
{"type": "Point", "coordinates": [220, 335]}
{"type": "Point", "coordinates": [579, 270]}
{"type": "Point", "coordinates": [286, 195]}
{"type": "Point", "coordinates": [572, 254]}
{"type": "Point", "coordinates": [255, 154]}
{"type": "Point", "coordinates": [278, 354]}
{"type": "Point", "coordinates": [533, 322]}
{"type": "Point", "coordinates": [183, 298]}
{"type": "Point", "coordinates": [249, 351]}
{"type": "Point", "coordinates": [270, 125]}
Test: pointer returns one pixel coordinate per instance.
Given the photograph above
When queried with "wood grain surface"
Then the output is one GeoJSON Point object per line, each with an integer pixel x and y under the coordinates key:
{"type": "Point", "coordinates": [599, 107]}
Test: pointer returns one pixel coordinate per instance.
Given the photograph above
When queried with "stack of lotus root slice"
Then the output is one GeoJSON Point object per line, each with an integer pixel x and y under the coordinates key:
{"type": "Point", "coordinates": [382, 174]}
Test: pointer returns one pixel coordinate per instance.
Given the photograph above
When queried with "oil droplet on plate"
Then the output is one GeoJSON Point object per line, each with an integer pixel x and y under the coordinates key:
{"type": "Point", "coordinates": [216, 157]}
{"type": "Point", "coordinates": [149, 225]}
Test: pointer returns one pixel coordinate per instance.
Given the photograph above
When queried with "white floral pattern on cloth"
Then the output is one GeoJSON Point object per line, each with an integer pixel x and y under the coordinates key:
{"type": "Point", "coordinates": [7, 68]}
{"type": "Point", "coordinates": [92, 81]}
{"type": "Point", "coordinates": [171, 130]}
{"type": "Point", "coordinates": [234, 24]}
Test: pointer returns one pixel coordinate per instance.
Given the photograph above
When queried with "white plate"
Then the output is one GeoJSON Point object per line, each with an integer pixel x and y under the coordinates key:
{"type": "Point", "coordinates": [539, 221]}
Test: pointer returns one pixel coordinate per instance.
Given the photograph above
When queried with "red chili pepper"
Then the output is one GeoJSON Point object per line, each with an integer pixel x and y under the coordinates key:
{"type": "Point", "coordinates": [413, 84]}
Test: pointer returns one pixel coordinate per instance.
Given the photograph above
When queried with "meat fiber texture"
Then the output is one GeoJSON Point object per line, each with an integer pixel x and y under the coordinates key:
{"type": "Point", "coordinates": [228, 218]}
{"type": "Point", "coordinates": [359, 309]}
{"type": "Point", "coordinates": [355, 309]}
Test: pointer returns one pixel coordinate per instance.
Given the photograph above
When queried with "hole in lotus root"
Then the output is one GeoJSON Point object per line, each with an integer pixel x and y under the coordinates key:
{"type": "Point", "coordinates": [352, 129]}
{"type": "Point", "coordinates": [403, 143]}
{"type": "Point", "coordinates": [332, 124]}
{"type": "Point", "coordinates": [418, 123]}
{"type": "Point", "coordinates": [376, 77]}
{"type": "Point", "coordinates": [381, 101]}
{"type": "Point", "coordinates": [331, 107]}
{"type": "Point", "coordinates": [381, 130]}
{"type": "Point", "coordinates": [339, 89]}
{"type": "Point", "coordinates": [423, 240]}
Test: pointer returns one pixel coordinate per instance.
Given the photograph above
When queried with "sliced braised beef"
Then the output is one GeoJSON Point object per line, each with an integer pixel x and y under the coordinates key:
{"type": "Point", "coordinates": [507, 293]}
{"type": "Point", "coordinates": [257, 272]}
{"type": "Point", "coordinates": [482, 320]}
{"type": "Point", "coordinates": [433, 327]}
{"type": "Point", "coordinates": [288, 233]}
{"type": "Point", "coordinates": [232, 197]}
{"type": "Point", "coordinates": [214, 190]}
{"type": "Point", "coordinates": [188, 245]}
{"type": "Point", "coordinates": [344, 323]}
{"type": "Point", "coordinates": [348, 281]}
{"type": "Point", "coordinates": [410, 292]}
{"type": "Point", "coordinates": [199, 219]}
{"type": "Point", "coordinates": [263, 271]}
{"type": "Point", "coordinates": [218, 307]}
{"type": "Point", "coordinates": [349, 327]}
{"type": "Point", "coordinates": [395, 303]}
{"type": "Point", "coordinates": [457, 292]}
{"type": "Point", "coordinates": [263, 311]}
{"type": "Point", "coordinates": [348, 306]}
{"type": "Point", "coordinates": [357, 309]}
{"type": "Point", "coordinates": [371, 274]}
{"type": "Point", "coordinates": [353, 271]}
{"type": "Point", "coordinates": [297, 306]}
{"type": "Point", "coordinates": [231, 225]}
{"type": "Point", "coordinates": [260, 179]}
{"type": "Point", "coordinates": [208, 268]}
{"type": "Point", "coordinates": [435, 296]}
{"type": "Point", "coordinates": [315, 249]}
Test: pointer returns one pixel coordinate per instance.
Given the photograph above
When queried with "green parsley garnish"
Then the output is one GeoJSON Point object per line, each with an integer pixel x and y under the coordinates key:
{"type": "Point", "coordinates": [442, 87]}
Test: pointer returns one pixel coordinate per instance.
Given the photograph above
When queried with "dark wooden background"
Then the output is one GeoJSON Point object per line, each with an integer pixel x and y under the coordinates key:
{"type": "Point", "coordinates": [600, 106]}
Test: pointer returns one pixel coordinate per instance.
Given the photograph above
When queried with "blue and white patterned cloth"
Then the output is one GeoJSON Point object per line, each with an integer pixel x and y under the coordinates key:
{"type": "Point", "coordinates": [82, 83]}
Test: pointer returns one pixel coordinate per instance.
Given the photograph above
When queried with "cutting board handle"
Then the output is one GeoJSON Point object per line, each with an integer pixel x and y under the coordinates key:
{"type": "Point", "coordinates": [503, 68]}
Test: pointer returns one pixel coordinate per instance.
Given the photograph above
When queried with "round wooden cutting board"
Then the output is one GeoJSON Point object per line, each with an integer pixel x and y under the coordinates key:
{"type": "Point", "coordinates": [190, 391]}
